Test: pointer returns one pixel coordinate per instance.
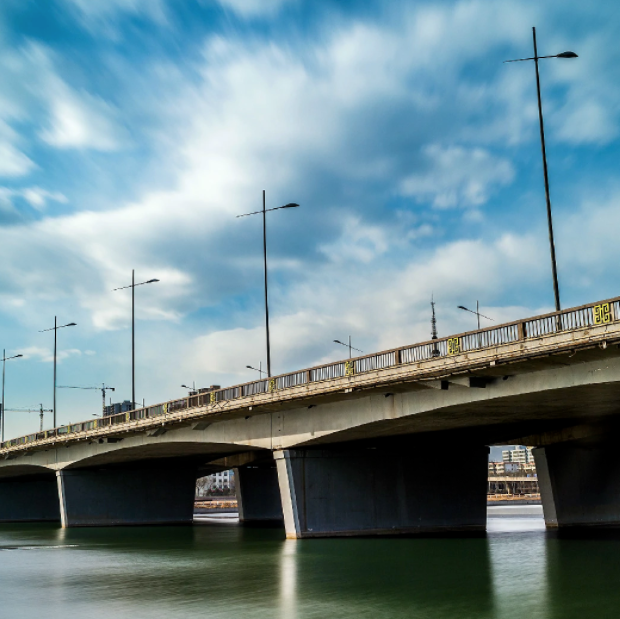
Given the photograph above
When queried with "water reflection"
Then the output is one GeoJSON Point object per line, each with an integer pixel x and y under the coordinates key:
{"type": "Point", "coordinates": [223, 571]}
{"type": "Point", "coordinates": [584, 575]}
{"type": "Point", "coordinates": [288, 579]}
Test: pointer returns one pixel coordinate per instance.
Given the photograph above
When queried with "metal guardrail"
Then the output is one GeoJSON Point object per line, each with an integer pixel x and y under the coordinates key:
{"type": "Point", "coordinates": [600, 313]}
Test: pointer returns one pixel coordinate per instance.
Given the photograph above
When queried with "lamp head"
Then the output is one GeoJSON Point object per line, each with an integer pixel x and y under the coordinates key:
{"type": "Point", "coordinates": [152, 281]}
{"type": "Point", "coordinates": [290, 205]}
{"type": "Point", "coordinates": [462, 307]}
{"type": "Point", "coordinates": [567, 55]}
{"type": "Point", "coordinates": [71, 324]}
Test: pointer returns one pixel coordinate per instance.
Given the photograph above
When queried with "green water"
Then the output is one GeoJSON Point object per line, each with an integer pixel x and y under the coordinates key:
{"type": "Point", "coordinates": [225, 571]}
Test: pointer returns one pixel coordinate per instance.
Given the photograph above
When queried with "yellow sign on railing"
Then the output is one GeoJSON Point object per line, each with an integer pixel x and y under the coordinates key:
{"type": "Point", "coordinates": [454, 346]}
{"type": "Point", "coordinates": [602, 314]}
{"type": "Point", "coordinates": [212, 397]}
{"type": "Point", "coordinates": [349, 368]}
{"type": "Point", "coordinates": [272, 385]}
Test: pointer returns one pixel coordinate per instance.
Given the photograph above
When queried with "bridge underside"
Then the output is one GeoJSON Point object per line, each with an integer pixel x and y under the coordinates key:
{"type": "Point", "coordinates": [373, 462]}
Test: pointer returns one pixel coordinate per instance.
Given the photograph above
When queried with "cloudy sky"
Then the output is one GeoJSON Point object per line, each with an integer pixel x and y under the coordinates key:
{"type": "Point", "coordinates": [132, 132]}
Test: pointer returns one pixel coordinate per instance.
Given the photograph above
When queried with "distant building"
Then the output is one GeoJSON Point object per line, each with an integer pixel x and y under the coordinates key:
{"type": "Point", "coordinates": [522, 455]}
{"type": "Point", "coordinates": [224, 480]}
{"type": "Point", "coordinates": [217, 484]}
{"type": "Point", "coordinates": [121, 407]}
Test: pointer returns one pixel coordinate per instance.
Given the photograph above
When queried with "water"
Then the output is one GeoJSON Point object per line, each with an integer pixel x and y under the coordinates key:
{"type": "Point", "coordinates": [220, 570]}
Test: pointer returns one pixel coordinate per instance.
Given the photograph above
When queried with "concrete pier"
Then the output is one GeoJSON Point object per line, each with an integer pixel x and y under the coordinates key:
{"type": "Point", "coordinates": [579, 484]}
{"type": "Point", "coordinates": [330, 493]}
{"type": "Point", "coordinates": [29, 499]}
{"type": "Point", "coordinates": [258, 495]}
{"type": "Point", "coordinates": [138, 495]}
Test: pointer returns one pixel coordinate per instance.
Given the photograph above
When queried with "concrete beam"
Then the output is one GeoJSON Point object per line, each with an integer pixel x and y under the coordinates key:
{"type": "Point", "coordinates": [580, 484]}
{"type": "Point", "coordinates": [130, 495]}
{"type": "Point", "coordinates": [335, 493]}
{"type": "Point", "coordinates": [258, 495]}
{"type": "Point", "coordinates": [29, 499]}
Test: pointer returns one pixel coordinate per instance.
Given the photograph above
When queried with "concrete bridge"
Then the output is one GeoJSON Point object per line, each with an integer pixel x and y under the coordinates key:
{"type": "Point", "coordinates": [359, 447]}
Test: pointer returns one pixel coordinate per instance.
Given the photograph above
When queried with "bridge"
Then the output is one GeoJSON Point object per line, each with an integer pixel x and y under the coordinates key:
{"type": "Point", "coordinates": [363, 446]}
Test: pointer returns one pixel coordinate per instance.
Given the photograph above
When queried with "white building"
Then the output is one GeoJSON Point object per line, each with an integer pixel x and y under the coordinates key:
{"type": "Point", "coordinates": [523, 455]}
{"type": "Point", "coordinates": [223, 480]}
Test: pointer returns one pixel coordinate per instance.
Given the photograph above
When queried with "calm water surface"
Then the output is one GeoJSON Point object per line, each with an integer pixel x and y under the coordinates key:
{"type": "Point", "coordinates": [220, 570]}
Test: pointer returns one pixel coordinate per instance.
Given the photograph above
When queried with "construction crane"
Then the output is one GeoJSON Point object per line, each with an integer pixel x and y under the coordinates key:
{"type": "Point", "coordinates": [40, 410]}
{"type": "Point", "coordinates": [103, 389]}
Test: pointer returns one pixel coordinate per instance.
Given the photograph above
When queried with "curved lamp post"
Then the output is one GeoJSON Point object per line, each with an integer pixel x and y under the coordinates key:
{"type": "Point", "coordinates": [55, 330]}
{"type": "Point", "coordinates": [4, 360]}
{"type": "Point", "coordinates": [264, 212]}
{"type": "Point", "coordinates": [133, 330]}
{"type": "Point", "coordinates": [536, 58]}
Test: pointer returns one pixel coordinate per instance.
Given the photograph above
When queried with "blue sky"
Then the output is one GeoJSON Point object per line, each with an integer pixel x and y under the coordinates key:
{"type": "Point", "coordinates": [132, 132]}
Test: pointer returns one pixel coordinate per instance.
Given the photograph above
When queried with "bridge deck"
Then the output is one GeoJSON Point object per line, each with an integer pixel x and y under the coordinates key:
{"type": "Point", "coordinates": [520, 346]}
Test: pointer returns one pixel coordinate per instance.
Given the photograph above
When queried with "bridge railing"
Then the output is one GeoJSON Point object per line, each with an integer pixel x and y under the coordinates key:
{"type": "Point", "coordinates": [595, 314]}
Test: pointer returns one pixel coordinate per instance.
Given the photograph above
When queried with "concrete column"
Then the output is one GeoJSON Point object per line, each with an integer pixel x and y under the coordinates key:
{"type": "Point", "coordinates": [258, 495]}
{"type": "Point", "coordinates": [546, 488]}
{"type": "Point", "coordinates": [327, 493]}
{"type": "Point", "coordinates": [29, 499]}
{"type": "Point", "coordinates": [143, 495]}
{"type": "Point", "coordinates": [580, 484]}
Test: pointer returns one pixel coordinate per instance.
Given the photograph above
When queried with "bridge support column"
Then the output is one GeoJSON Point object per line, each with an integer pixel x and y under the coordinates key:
{"type": "Point", "coordinates": [579, 484]}
{"type": "Point", "coordinates": [381, 491]}
{"type": "Point", "coordinates": [146, 495]}
{"type": "Point", "coordinates": [258, 495]}
{"type": "Point", "coordinates": [29, 499]}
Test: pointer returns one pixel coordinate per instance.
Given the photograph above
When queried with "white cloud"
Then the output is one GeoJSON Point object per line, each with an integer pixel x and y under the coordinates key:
{"type": "Point", "coordinates": [46, 355]}
{"type": "Point", "coordinates": [35, 196]}
{"type": "Point", "coordinates": [254, 8]}
{"type": "Point", "coordinates": [100, 10]}
{"type": "Point", "coordinates": [457, 176]}
{"type": "Point", "coordinates": [77, 119]}
{"type": "Point", "coordinates": [82, 121]}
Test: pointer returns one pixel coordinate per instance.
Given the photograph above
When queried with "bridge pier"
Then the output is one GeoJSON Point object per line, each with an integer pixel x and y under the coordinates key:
{"type": "Point", "coordinates": [258, 494]}
{"type": "Point", "coordinates": [332, 493]}
{"type": "Point", "coordinates": [138, 495]}
{"type": "Point", "coordinates": [29, 499]}
{"type": "Point", "coordinates": [579, 484]}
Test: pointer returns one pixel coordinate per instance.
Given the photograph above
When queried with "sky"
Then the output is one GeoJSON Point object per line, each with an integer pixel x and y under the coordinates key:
{"type": "Point", "coordinates": [133, 132]}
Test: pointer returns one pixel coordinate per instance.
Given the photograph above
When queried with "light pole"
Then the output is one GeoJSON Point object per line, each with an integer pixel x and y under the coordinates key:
{"type": "Point", "coordinates": [264, 212]}
{"type": "Point", "coordinates": [4, 360]}
{"type": "Point", "coordinates": [192, 388]}
{"type": "Point", "coordinates": [133, 330]}
{"type": "Point", "coordinates": [348, 346]}
{"type": "Point", "coordinates": [536, 58]}
{"type": "Point", "coordinates": [55, 330]}
{"type": "Point", "coordinates": [259, 369]}
{"type": "Point", "coordinates": [478, 315]}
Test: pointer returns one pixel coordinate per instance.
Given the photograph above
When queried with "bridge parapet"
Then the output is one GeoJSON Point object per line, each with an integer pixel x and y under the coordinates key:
{"type": "Point", "coordinates": [457, 353]}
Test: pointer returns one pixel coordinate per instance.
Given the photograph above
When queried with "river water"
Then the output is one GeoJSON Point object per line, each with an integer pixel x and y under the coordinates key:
{"type": "Point", "coordinates": [217, 569]}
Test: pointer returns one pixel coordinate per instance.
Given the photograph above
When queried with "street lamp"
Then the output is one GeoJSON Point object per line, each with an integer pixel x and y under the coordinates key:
{"type": "Point", "coordinates": [477, 312]}
{"type": "Point", "coordinates": [536, 58]}
{"type": "Point", "coordinates": [192, 388]}
{"type": "Point", "coordinates": [55, 330]}
{"type": "Point", "coordinates": [348, 346]}
{"type": "Point", "coordinates": [4, 360]}
{"type": "Point", "coordinates": [264, 212]}
{"type": "Point", "coordinates": [133, 330]}
{"type": "Point", "coordinates": [259, 369]}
